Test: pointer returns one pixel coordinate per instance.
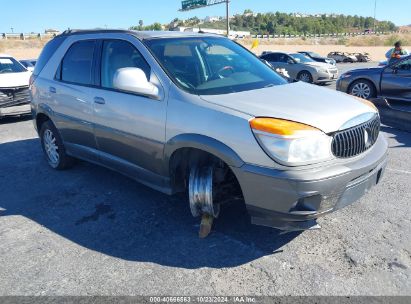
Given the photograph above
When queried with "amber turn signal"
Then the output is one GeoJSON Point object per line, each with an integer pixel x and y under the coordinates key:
{"type": "Point", "coordinates": [279, 126]}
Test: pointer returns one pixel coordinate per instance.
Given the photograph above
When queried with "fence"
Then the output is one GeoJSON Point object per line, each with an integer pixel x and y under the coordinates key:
{"type": "Point", "coordinates": [23, 36]}
{"type": "Point", "coordinates": [331, 35]}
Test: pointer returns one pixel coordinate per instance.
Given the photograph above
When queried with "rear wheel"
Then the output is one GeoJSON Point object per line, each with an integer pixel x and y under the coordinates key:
{"type": "Point", "coordinates": [363, 89]}
{"type": "Point", "coordinates": [305, 76]}
{"type": "Point", "coordinates": [53, 147]}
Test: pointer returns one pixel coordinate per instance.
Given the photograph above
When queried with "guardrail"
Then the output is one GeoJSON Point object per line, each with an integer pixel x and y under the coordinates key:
{"type": "Point", "coordinates": [23, 36]}
{"type": "Point", "coordinates": [330, 35]}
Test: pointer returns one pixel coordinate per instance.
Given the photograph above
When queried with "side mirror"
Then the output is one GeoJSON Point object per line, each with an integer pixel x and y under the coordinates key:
{"type": "Point", "coordinates": [134, 80]}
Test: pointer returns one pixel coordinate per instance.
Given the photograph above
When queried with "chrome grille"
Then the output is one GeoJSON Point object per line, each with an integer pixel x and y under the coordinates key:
{"type": "Point", "coordinates": [356, 140]}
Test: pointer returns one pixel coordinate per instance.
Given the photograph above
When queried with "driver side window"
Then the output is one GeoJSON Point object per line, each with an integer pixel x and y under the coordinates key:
{"type": "Point", "coordinates": [119, 54]}
{"type": "Point", "coordinates": [404, 65]}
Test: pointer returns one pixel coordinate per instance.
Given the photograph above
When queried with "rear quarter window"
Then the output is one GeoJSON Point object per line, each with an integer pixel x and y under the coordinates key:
{"type": "Point", "coordinates": [77, 64]}
{"type": "Point", "coordinates": [48, 51]}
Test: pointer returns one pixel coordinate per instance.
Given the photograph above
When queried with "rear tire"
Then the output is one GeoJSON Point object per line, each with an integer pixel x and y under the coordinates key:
{"type": "Point", "coordinates": [53, 147]}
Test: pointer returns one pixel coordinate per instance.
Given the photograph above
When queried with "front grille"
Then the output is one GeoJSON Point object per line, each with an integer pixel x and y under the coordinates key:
{"type": "Point", "coordinates": [14, 96]}
{"type": "Point", "coordinates": [356, 140]}
{"type": "Point", "coordinates": [333, 71]}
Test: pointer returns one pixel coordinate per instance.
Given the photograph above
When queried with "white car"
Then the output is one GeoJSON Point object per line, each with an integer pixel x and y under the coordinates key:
{"type": "Point", "coordinates": [14, 87]}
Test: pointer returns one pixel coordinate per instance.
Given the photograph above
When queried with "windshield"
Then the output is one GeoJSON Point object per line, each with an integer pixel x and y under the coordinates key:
{"type": "Point", "coordinates": [10, 65]}
{"type": "Point", "coordinates": [300, 58]}
{"type": "Point", "coordinates": [209, 66]}
{"type": "Point", "coordinates": [315, 55]}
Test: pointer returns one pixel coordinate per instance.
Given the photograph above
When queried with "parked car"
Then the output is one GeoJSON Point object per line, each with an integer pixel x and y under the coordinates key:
{"type": "Point", "coordinates": [318, 57]}
{"type": "Point", "coordinates": [301, 67]}
{"type": "Point", "coordinates": [342, 57]}
{"type": "Point", "coordinates": [198, 113]}
{"type": "Point", "coordinates": [14, 87]}
{"type": "Point", "coordinates": [28, 64]}
{"type": "Point", "coordinates": [391, 81]}
{"type": "Point", "coordinates": [362, 57]}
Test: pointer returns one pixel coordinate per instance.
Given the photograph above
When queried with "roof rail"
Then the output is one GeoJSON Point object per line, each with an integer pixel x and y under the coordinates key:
{"type": "Point", "coordinates": [91, 31]}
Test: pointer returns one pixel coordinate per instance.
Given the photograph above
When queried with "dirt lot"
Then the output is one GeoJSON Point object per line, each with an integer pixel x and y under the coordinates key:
{"type": "Point", "coordinates": [90, 231]}
{"type": "Point", "coordinates": [32, 49]}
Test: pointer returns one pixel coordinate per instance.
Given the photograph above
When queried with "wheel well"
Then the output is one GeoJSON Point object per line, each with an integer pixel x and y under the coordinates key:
{"type": "Point", "coordinates": [184, 158]}
{"type": "Point", "coordinates": [362, 79]}
{"type": "Point", "coordinates": [40, 119]}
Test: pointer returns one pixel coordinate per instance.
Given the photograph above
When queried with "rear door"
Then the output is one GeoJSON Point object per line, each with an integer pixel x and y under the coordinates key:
{"type": "Point", "coordinates": [71, 97]}
{"type": "Point", "coordinates": [396, 81]}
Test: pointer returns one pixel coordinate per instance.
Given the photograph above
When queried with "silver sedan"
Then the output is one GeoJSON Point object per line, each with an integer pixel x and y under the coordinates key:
{"type": "Point", "coordinates": [301, 67]}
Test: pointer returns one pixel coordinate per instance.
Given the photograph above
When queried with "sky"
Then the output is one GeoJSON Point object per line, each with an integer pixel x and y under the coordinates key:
{"type": "Point", "coordinates": [36, 16]}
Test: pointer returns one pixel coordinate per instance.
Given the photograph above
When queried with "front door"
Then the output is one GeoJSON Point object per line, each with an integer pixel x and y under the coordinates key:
{"type": "Point", "coordinates": [129, 128]}
{"type": "Point", "coordinates": [396, 81]}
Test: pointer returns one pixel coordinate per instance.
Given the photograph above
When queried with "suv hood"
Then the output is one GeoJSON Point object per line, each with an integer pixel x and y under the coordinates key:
{"type": "Point", "coordinates": [11, 80]}
{"type": "Point", "coordinates": [321, 108]}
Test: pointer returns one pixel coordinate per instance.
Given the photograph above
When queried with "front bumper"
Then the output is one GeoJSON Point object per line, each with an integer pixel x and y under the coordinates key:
{"type": "Point", "coordinates": [292, 199]}
{"type": "Point", "coordinates": [323, 77]}
{"type": "Point", "coordinates": [15, 101]}
{"type": "Point", "coordinates": [343, 84]}
{"type": "Point", "coordinates": [15, 110]}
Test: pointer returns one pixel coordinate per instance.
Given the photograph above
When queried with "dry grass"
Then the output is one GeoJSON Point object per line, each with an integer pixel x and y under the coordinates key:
{"type": "Point", "coordinates": [22, 49]}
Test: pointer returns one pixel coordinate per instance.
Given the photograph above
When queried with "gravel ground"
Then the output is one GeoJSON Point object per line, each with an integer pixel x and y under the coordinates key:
{"type": "Point", "coordinates": [90, 231]}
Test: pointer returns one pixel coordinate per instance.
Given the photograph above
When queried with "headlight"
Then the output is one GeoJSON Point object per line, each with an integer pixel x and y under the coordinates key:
{"type": "Point", "coordinates": [291, 143]}
{"type": "Point", "coordinates": [345, 75]}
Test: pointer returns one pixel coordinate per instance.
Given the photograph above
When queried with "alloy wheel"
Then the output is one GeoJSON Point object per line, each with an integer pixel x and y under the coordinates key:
{"type": "Point", "coordinates": [362, 90]}
{"type": "Point", "coordinates": [305, 77]}
{"type": "Point", "coordinates": [51, 148]}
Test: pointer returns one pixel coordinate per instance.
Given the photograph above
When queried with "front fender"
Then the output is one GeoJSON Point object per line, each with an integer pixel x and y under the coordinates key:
{"type": "Point", "coordinates": [204, 143]}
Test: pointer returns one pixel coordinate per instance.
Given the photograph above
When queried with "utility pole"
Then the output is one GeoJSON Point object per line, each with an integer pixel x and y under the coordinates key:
{"type": "Point", "coordinates": [228, 17]}
{"type": "Point", "coordinates": [375, 15]}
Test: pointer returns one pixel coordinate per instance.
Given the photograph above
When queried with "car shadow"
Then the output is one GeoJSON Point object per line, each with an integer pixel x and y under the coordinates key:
{"type": "Point", "coordinates": [15, 118]}
{"type": "Point", "coordinates": [403, 138]}
{"type": "Point", "coordinates": [111, 214]}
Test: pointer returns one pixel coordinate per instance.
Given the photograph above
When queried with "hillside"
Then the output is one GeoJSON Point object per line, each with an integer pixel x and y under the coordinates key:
{"type": "Point", "coordinates": [282, 23]}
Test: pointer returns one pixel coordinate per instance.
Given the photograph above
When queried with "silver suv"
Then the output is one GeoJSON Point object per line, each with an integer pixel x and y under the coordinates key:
{"type": "Point", "coordinates": [198, 113]}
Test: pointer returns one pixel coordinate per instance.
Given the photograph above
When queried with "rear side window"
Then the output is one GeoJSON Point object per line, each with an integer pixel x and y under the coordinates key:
{"type": "Point", "coordinates": [46, 54]}
{"type": "Point", "coordinates": [77, 64]}
{"type": "Point", "coordinates": [271, 57]}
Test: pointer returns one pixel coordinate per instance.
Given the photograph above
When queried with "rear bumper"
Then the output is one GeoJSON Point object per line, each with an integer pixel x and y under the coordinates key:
{"type": "Point", "coordinates": [291, 200]}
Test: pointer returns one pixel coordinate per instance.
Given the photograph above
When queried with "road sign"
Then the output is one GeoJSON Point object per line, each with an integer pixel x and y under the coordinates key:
{"type": "Point", "coordinates": [189, 4]}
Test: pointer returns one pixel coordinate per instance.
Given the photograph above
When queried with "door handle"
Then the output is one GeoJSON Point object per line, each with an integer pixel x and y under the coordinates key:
{"type": "Point", "coordinates": [52, 90]}
{"type": "Point", "coordinates": [99, 100]}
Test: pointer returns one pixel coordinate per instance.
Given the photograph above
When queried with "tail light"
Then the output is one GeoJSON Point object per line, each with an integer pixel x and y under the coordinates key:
{"type": "Point", "coordinates": [32, 79]}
